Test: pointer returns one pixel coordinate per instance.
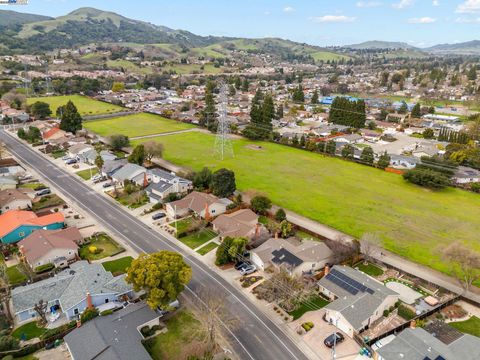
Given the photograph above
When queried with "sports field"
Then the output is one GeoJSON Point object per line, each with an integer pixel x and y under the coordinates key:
{"type": "Point", "coordinates": [85, 105]}
{"type": "Point", "coordinates": [413, 222]}
{"type": "Point", "coordinates": [135, 125]}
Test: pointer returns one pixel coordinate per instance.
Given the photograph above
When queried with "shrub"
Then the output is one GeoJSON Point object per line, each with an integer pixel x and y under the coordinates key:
{"type": "Point", "coordinates": [94, 250]}
{"type": "Point", "coordinates": [386, 313]}
{"type": "Point", "coordinates": [280, 215]}
{"type": "Point", "coordinates": [406, 312]}
{"type": "Point", "coordinates": [88, 315]}
{"type": "Point", "coordinates": [427, 178]}
{"type": "Point", "coordinates": [391, 308]}
{"type": "Point", "coordinates": [106, 312]}
{"type": "Point", "coordinates": [44, 268]}
{"type": "Point", "coordinates": [76, 217]}
{"type": "Point", "coordinates": [8, 342]}
{"type": "Point", "coordinates": [308, 326]}
{"type": "Point", "coordinates": [8, 357]}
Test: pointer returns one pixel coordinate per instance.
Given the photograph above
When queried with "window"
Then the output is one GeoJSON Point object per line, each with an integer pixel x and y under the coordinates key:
{"type": "Point", "coordinates": [75, 311]}
{"type": "Point", "coordinates": [106, 301]}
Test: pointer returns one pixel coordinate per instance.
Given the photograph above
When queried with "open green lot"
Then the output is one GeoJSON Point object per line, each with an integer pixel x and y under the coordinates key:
{"type": "Point", "coordinates": [470, 326]}
{"type": "Point", "coordinates": [85, 105]}
{"type": "Point", "coordinates": [135, 125]}
{"type": "Point", "coordinates": [413, 222]}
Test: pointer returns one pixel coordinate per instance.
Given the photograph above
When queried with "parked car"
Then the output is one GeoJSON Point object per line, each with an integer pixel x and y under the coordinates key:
{"type": "Point", "coordinates": [66, 157]}
{"type": "Point", "coordinates": [158, 216]}
{"type": "Point", "coordinates": [43, 192]}
{"type": "Point", "coordinates": [106, 185]}
{"type": "Point", "coordinates": [241, 264]}
{"type": "Point", "coordinates": [71, 161]}
{"type": "Point", "coordinates": [334, 339]}
{"type": "Point", "coordinates": [248, 270]}
{"type": "Point", "coordinates": [99, 179]}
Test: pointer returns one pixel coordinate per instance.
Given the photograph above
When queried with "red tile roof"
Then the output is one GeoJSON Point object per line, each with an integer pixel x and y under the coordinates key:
{"type": "Point", "coordinates": [13, 219]}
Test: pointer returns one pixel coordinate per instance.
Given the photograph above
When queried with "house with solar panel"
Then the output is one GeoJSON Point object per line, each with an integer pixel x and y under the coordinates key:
{"type": "Point", "coordinates": [357, 299]}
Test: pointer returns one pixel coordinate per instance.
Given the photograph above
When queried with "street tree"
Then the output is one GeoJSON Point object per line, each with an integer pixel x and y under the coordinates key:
{"type": "Point", "coordinates": [230, 250]}
{"type": "Point", "coordinates": [162, 275]}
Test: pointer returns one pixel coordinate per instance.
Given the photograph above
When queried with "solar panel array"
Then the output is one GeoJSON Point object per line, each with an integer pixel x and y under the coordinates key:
{"type": "Point", "coordinates": [346, 283]}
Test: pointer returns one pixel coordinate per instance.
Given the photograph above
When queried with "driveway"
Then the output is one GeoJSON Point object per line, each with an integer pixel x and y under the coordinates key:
{"type": "Point", "coordinates": [347, 350]}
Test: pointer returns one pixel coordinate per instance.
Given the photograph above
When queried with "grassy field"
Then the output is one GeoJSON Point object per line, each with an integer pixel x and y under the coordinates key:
{"type": "Point", "coordinates": [193, 68]}
{"type": "Point", "coordinates": [129, 67]}
{"type": "Point", "coordinates": [29, 331]}
{"type": "Point", "coordinates": [470, 326]}
{"type": "Point", "coordinates": [326, 56]}
{"type": "Point", "coordinates": [135, 125]}
{"type": "Point", "coordinates": [118, 266]}
{"type": "Point", "coordinates": [85, 105]}
{"type": "Point", "coordinates": [413, 222]}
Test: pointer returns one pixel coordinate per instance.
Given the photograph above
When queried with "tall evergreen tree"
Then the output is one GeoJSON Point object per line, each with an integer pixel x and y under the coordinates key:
{"type": "Point", "coordinates": [417, 111]}
{"type": "Point", "coordinates": [315, 97]}
{"type": "Point", "coordinates": [71, 120]}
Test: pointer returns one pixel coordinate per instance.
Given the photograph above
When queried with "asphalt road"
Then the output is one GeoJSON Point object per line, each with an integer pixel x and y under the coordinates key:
{"type": "Point", "coordinates": [253, 335]}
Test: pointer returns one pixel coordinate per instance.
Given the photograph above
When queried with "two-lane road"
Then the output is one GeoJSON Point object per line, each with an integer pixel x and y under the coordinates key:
{"type": "Point", "coordinates": [254, 335]}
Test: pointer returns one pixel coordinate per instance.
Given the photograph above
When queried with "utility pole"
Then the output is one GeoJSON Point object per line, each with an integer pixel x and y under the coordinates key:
{"type": "Point", "coordinates": [223, 143]}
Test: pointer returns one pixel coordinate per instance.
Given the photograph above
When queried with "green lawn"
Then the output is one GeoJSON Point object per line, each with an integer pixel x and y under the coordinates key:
{"type": "Point", "coordinates": [29, 330]}
{"type": "Point", "coordinates": [86, 106]}
{"type": "Point", "coordinates": [182, 225]}
{"type": "Point", "coordinates": [33, 186]}
{"type": "Point", "coordinates": [135, 125]}
{"type": "Point", "coordinates": [119, 265]}
{"type": "Point", "coordinates": [198, 238]}
{"type": "Point", "coordinates": [183, 330]}
{"type": "Point", "coordinates": [15, 276]}
{"type": "Point", "coordinates": [470, 326]}
{"type": "Point", "coordinates": [314, 303]}
{"type": "Point", "coordinates": [207, 248]}
{"type": "Point", "coordinates": [105, 243]}
{"type": "Point", "coordinates": [369, 269]}
{"type": "Point", "coordinates": [413, 222]}
{"type": "Point", "coordinates": [58, 154]}
{"type": "Point", "coordinates": [87, 174]}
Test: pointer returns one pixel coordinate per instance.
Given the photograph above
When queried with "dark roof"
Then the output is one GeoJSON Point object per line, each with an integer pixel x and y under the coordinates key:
{"type": "Point", "coordinates": [112, 337]}
{"type": "Point", "coordinates": [443, 332]}
{"type": "Point", "coordinates": [283, 256]}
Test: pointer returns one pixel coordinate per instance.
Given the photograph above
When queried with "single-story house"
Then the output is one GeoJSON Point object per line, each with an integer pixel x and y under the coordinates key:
{"type": "Point", "coordinates": [88, 156]}
{"type": "Point", "coordinates": [466, 175]}
{"type": "Point", "coordinates": [164, 183]}
{"type": "Point", "coordinates": [107, 155]}
{"type": "Point", "coordinates": [132, 172]}
{"type": "Point", "coordinates": [7, 182]}
{"type": "Point", "coordinates": [357, 299]}
{"type": "Point", "coordinates": [15, 225]}
{"type": "Point", "coordinates": [242, 223]}
{"type": "Point", "coordinates": [403, 162]}
{"type": "Point", "coordinates": [54, 133]}
{"type": "Point", "coordinates": [349, 139]}
{"type": "Point", "coordinates": [295, 256]}
{"type": "Point", "coordinates": [116, 336]}
{"type": "Point", "coordinates": [111, 166]}
{"type": "Point", "coordinates": [71, 291]}
{"type": "Point", "coordinates": [201, 204]}
{"type": "Point", "coordinates": [9, 167]}
{"type": "Point", "coordinates": [419, 344]}
{"type": "Point", "coordinates": [57, 247]}
{"type": "Point", "coordinates": [78, 149]}
{"type": "Point", "coordinates": [13, 199]}
{"type": "Point", "coordinates": [425, 150]}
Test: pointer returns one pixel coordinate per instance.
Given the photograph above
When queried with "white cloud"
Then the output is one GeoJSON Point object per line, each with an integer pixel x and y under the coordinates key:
{"type": "Point", "coordinates": [469, 6]}
{"type": "Point", "coordinates": [267, 13]}
{"type": "Point", "coordinates": [436, 3]}
{"type": "Point", "coordinates": [288, 9]}
{"type": "Point", "coordinates": [368, 4]}
{"type": "Point", "coordinates": [422, 20]}
{"type": "Point", "coordinates": [333, 19]}
{"type": "Point", "coordinates": [462, 20]}
{"type": "Point", "coordinates": [402, 4]}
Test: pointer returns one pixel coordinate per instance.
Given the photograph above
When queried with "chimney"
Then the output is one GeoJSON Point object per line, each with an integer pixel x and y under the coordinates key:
{"type": "Point", "coordinates": [145, 180]}
{"type": "Point", "coordinates": [89, 301]}
{"type": "Point", "coordinates": [413, 324]}
{"type": "Point", "coordinates": [327, 269]}
{"type": "Point", "coordinates": [207, 212]}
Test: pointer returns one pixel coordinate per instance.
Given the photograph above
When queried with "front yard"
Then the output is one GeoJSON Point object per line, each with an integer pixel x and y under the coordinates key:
{"type": "Point", "coordinates": [47, 201]}
{"type": "Point", "coordinates": [118, 266]}
{"type": "Point", "coordinates": [28, 331]}
{"type": "Point", "coordinates": [312, 304]}
{"type": "Point", "coordinates": [184, 335]}
{"type": "Point", "coordinates": [87, 173]}
{"type": "Point", "coordinates": [98, 247]}
{"type": "Point", "coordinates": [207, 248]}
{"type": "Point", "coordinates": [198, 238]}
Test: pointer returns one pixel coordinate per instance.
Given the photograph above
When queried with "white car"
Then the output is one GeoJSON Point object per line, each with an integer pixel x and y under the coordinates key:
{"type": "Point", "coordinates": [247, 270]}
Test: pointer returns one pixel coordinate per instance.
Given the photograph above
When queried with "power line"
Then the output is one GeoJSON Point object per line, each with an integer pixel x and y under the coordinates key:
{"type": "Point", "coordinates": [223, 143]}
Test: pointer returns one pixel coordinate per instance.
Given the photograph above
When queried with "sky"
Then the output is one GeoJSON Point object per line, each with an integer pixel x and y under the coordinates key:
{"type": "Point", "coordinates": [420, 23]}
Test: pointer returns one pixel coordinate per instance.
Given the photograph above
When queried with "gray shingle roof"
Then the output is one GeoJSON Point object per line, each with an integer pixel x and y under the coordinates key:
{"type": "Point", "coordinates": [112, 337]}
{"type": "Point", "coordinates": [129, 171]}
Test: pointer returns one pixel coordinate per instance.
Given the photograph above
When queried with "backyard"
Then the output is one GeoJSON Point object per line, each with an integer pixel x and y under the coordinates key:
{"type": "Point", "coordinates": [145, 124]}
{"type": "Point", "coordinates": [470, 326]}
{"type": "Point", "coordinates": [104, 247]}
{"type": "Point", "coordinates": [85, 105]}
{"type": "Point", "coordinates": [15, 276]}
{"type": "Point", "coordinates": [413, 222]}
{"type": "Point", "coordinates": [28, 331]}
{"type": "Point", "coordinates": [369, 269]}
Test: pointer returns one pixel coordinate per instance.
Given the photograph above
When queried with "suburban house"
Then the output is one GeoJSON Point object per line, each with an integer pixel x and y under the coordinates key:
{"type": "Point", "coordinates": [241, 223]}
{"type": "Point", "coordinates": [53, 133]}
{"type": "Point", "coordinates": [201, 204]}
{"type": "Point", "coordinates": [15, 225]}
{"type": "Point", "coordinates": [132, 172]}
{"type": "Point", "coordinates": [466, 175]}
{"type": "Point", "coordinates": [295, 256]}
{"type": "Point", "coordinates": [57, 247]}
{"type": "Point", "coordinates": [111, 166]}
{"type": "Point", "coordinates": [349, 139]}
{"type": "Point", "coordinates": [164, 183]}
{"type": "Point", "coordinates": [13, 199]}
{"type": "Point", "coordinates": [71, 291]}
{"type": "Point", "coordinates": [78, 149]}
{"type": "Point", "coordinates": [403, 162]}
{"type": "Point", "coordinates": [357, 299]}
{"type": "Point", "coordinates": [7, 183]}
{"type": "Point", "coordinates": [9, 167]}
{"type": "Point", "coordinates": [116, 336]}
{"type": "Point", "coordinates": [420, 344]}
{"type": "Point", "coordinates": [88, 156]}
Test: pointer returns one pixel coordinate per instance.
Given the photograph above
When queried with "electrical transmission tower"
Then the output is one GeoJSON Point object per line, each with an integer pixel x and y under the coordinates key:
{"type": "Point", "coordinates": [223, 143]}
{"type": "Point", "coordinates": [47, 78]}
{"type": "Point", "coordinates": [26, 80]}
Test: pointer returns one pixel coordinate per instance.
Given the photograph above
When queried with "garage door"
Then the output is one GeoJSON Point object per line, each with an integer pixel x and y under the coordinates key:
{"type": "Point", "coordinates": [345, 327]}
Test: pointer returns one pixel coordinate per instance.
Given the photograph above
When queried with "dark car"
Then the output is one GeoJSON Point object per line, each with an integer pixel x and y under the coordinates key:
{"type": "Point", "coordinates": [71, 161]}
{"type": "Point", "coordinates": [333, 339]}
{"type": "Point", "coordinates": [158, 216]}
{"type": "Point", "coordinates": [241, 264]}
{"type": "Point", "coordinates": [43, 192]}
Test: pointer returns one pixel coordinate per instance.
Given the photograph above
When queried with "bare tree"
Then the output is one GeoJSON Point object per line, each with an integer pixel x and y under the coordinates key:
{"type": "Point", "coordinates": [5, 293]}
{"type": "Point", "coordinates": [153, 149]}
{"type": "Point", "coordinates": [369, 245]}
{"type": "Point", "coordinates": [41, 309]}
{"type": "Point", "coordinates": [342, 250]}
{"type": "Point", "coordinates": [465, 261]}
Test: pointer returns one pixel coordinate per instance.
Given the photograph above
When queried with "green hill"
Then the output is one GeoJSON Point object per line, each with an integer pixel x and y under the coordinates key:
{"type": "Point", "coordinates": [10, 18]}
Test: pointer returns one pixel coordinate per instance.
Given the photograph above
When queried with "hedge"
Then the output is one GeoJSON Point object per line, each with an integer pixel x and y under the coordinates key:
{"type": "Point", "coordinates": [406, 312]}
{"type": "Point", "coordinates": [106, 312]}
{"type": "Point", "coordinates": [44, 268]}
